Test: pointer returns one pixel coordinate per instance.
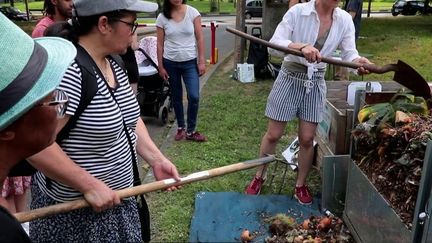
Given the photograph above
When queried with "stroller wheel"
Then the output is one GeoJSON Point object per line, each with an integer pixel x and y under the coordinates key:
{"type": "Point", "coordinates": [170, 105]}
{"type": "Point", "coordinates": [163, 115]}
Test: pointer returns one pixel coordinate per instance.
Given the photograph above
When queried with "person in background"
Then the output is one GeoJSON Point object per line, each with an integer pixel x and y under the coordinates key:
{"type": "Point", "coordinates": [354, 8]}
{"type": "Point", "coordinates": [54, 10]}
{"type": "Point", "coordinates": [30, 72]}
{"type": "Point", "coordinates": [97, 156]}
{"type": "Point", "coordinates": [14, 194]}
{"type": "Point", "coordinates": [316, 29]}
{"type": "Point", "coordinates": [294, 2]}
{"type": "Point", "coordinates": [131, 64]}
{"type": "Point", "coordinates": [180, 51]}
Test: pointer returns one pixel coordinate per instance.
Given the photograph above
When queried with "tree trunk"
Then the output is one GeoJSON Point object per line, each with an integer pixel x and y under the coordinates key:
{"type": "Point", "coordinates": [426, 6]}
{"type": "Point", "coordinates": [214, 6]}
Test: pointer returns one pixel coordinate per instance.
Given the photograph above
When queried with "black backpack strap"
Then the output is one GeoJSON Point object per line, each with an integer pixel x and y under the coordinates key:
{"type": "Point", "coordinates": [119, 61]}
{"type": "Point", "coordinates": [89, 88]}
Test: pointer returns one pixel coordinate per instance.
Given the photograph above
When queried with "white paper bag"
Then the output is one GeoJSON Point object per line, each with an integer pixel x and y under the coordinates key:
{"type": "Point", "coordinates": [245, 73]}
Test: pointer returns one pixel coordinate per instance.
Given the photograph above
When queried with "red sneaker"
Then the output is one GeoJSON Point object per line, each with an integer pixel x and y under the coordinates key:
{"type": "Point", "coordinates": [303, 195]}
{"type": "Point", "coordinates": [254, 188]}
{"type": "Point", "coordinates": [181, 134]}
{"type": "Point", "coordinates": [196, 136]}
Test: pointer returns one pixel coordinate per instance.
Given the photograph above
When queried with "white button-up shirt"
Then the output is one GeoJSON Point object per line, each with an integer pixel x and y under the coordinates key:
{"type": "Point", "coordinates": [301, 24]}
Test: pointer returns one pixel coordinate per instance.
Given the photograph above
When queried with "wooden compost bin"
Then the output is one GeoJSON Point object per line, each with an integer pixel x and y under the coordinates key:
{"type": "Point", "coordinates": [334, 141]}
{"type": "Point", "coordinates": [367, 213]}
{"type": "Point", "coordinates": [371, 218]}
{"type": "Point", "coordinates": [334, 132]}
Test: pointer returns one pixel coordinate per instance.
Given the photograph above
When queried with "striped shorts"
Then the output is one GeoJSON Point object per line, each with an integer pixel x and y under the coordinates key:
{"type": "Point", "coordinates": [294, 95]}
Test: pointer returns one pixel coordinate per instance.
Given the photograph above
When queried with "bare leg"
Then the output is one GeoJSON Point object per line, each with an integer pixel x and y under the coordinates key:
{"type": "Point", "coordinates": [269, 141]}
{"type": "Point", "coordinates": [21, 202]}
{"type": "Point", "coordinates": [4, 203]}
{"type": "Point", "coordinates": [11, 204]}
{"type": "Point", "coordinates": [306, 134]}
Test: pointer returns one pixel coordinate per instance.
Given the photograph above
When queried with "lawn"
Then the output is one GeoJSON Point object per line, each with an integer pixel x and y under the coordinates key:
{"type": "Point", "coordinates": [231, 115]}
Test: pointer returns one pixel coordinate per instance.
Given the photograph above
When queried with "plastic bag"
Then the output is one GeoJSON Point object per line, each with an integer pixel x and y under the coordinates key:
{"type": "Point", "coordinates": [245, 73]}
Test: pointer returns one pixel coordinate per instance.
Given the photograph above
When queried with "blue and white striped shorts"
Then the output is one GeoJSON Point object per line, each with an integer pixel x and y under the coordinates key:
{"type": "Point", "coordinates": [293, 95]}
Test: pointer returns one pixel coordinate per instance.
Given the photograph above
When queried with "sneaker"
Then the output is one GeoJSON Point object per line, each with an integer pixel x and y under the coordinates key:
{"type": "Point", "coordinates": [196, 136]}
{"type": "Point", "coordinates": [255, 186]}
{"type": "Point", "coordinates": [181, 134]}
{"type": "Point", "coordinates": [303, 195]}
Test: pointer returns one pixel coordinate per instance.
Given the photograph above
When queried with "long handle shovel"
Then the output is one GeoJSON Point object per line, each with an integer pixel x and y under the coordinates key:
{"type": "Point", "coordinates": [404, 74]}
{"type": "Point", "coordinates": [149, 187]}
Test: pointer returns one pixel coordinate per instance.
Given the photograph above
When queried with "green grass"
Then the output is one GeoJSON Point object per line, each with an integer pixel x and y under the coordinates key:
{"type": "Point", "coordinates": [390, 39]}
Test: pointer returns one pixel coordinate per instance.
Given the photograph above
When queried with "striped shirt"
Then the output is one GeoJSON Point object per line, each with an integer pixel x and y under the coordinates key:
{"type": "Point", "coordinates": [300, 24]}
{"type": "Point", "coordinates": [98, 142]}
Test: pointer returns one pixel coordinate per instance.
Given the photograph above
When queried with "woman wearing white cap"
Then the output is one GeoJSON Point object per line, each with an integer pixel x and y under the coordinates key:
{"type": "Point", "coordinates": [105, 139]}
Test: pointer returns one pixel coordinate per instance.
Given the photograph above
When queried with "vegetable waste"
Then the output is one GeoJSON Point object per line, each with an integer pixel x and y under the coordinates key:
{"type": "Point", "coordinates": [390, 143]}
{"type": "Point", "coordinates": [315, 229]}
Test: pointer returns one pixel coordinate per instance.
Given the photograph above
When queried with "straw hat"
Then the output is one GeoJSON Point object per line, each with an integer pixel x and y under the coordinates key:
{"type": "Point", "coordinates": [29, 69]}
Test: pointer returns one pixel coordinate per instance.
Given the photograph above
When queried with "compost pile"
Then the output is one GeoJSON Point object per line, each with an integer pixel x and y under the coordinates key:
{"type": "Point", "coordinates": [315, 229]}
{"type": "Point", "coordinates": [390, 143]}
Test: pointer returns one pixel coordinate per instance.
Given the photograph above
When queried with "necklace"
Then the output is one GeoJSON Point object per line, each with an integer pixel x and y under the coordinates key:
{"type": "Point", "coordinates": [105, 72]}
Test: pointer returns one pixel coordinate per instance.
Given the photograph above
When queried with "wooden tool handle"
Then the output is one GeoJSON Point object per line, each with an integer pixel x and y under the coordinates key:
{"type": "Point", "coordinates": [371, 67]}
{"type": "Point", "coordinates": [149, 187]}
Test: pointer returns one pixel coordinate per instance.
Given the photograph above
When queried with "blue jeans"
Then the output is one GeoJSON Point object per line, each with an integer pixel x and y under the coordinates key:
{"type": "Point", "coordinates": [187, 70]}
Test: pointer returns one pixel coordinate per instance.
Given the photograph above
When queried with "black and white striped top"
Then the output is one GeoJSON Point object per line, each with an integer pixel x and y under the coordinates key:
{"type": "Point", "coordinates": [98, 142]}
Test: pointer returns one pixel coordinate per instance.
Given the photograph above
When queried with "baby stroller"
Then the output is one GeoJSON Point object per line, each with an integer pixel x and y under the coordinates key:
{"type": "Point", "coordinates": [153, 93]}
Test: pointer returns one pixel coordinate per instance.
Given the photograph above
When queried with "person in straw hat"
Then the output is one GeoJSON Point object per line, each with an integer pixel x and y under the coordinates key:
{"type": "Point", "coordinates": [97, 157]}
{"type": "Point", "coordinates": [29, 102]}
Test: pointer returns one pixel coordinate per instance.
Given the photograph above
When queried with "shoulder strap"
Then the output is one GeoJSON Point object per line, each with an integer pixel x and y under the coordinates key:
{"type": "Point", "coordinates": [148, 58]}
{"type": "Point", "coordinates": [120, 61]}
{"type": "Point", "coordinates": [88, 90]}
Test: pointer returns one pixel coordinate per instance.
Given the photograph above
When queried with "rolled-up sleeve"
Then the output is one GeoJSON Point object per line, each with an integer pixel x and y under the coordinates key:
{"type": "Point", "coordinates": [283, 33]}
{"type": "Point", "coordinates": [347, 46]}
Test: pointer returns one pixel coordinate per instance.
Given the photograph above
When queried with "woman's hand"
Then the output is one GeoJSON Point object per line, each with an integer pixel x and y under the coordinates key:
{"type": "Point", "coordinates": [362, 60]}
{"type": "Point", "coordinates": [101, 197]}
{"type": "Point", "coordinates": [163, 73]}
{"type": "Point", "coordinates": [310, 53]}
{"type": "Point", "coordinates": [166, 170]}
{"type": "Point", "coordinates": [201, 69]}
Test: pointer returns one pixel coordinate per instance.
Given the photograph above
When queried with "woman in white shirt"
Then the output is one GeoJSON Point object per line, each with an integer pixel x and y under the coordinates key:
{"type": "Point", "coordinates": [316, 28]}
{"type": "Point", "coordinates": [179, 37]}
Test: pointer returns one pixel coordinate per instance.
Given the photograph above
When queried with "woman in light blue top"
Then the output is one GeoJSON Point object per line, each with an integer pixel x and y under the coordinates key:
{"type": "Point", "coordinates": [180, 50]}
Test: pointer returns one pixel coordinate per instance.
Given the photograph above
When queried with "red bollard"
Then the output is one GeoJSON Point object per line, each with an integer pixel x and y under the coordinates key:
{"type": "Point", "coordinates": [213, 42]}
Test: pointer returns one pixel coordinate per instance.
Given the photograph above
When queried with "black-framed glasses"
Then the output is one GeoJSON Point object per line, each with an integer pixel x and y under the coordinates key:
{"type": "Point", "coordinates": [133, 25]}
{"type": "Point", "coordinates": [59, 100]}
